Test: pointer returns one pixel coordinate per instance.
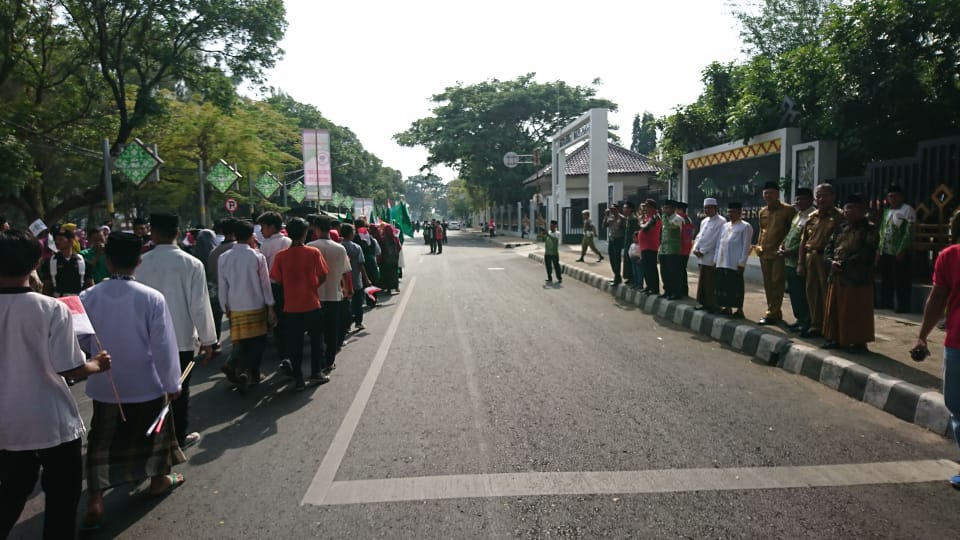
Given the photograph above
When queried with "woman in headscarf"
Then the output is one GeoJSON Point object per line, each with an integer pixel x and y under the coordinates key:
{"type": "Point", "coordinates": [371, 250]}
{"type": "Point", "coordinates": [390, 260]}
{"type": "Point", "coordinates": [205, 241]}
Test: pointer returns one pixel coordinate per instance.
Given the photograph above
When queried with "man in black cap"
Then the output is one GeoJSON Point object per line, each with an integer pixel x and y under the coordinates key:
{"type": "Point", "coordinates": [181, 278]}
{"type": "Point", "coordinates": [775, 219]}
{"type": "Point", "coordinates": [893, 257]}
{"type": "Point", "coordinates": [850, 253]}
{"type": "Point", "coordinates": [671, 261]}
{"type": "Point", "coordinates": [648, 241]}
{"type": "Point", "coordinates": [790, 249]}
{"type": "Point", "coordinates": [616, 229]}
{"type": "Point", "coordinates": [732, 253]}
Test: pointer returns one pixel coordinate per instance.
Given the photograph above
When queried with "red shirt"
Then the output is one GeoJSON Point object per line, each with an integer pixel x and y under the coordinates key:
{"type": "Point", "coordinates": [650, 239]}
{"type": "Point", "coordinates": [946, 273]}
{"type": "Point", "coordinates": [299, 269]}
{"type": "Point", "coordinates": [686, 234]}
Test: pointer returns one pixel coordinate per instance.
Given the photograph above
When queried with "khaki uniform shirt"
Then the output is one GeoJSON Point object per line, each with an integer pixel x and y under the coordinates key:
{"type": "Point", "coordinates": [774, 226]}
{"type": "Point", "coordinates": [819, 227]}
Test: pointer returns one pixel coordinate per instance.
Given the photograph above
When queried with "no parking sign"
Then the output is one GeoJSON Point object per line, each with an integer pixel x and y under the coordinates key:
{"type": "Point", "coordinates": [231, 205]}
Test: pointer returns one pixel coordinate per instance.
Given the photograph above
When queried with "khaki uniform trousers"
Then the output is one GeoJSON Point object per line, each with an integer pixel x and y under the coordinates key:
{"type": "Point", "coordinates": [816, 275]}
{"type": "Point", "coordinates": [774, 283]}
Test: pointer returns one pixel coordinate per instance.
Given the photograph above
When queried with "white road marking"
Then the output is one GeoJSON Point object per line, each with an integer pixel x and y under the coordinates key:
{"type": "Point", "coordinates": [323, 479]}
{"type": "Point", "coordinates": [630, 482]}
{"type": "Point", "coordinates": [494, 268]}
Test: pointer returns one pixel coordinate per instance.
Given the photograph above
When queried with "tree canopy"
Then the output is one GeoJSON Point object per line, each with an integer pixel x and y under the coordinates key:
{"type": "Point", "coordinates": [473, 126]}
{"type": "Point", "coordinates": [876, 75]}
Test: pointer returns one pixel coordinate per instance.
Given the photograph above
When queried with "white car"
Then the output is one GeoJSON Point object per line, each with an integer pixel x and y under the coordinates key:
{"type": "Point", "coordinates": [453, 226]}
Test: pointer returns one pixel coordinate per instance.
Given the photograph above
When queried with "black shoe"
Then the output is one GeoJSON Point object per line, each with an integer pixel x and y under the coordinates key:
{"type": "Point", "coordinates": [600, 259]}
{"type": "Point", "coordinates": [664, 295]}
{"type": "Point", "coordinates": [767, 321]}
{"type": "Point", "coordinates": [739, 315]}
{"type": "Point", "coordinates": [300, 387]}
{"type": "Point", "coordinates": [859, 348]}
{"type": "Point", "coordinates": [580, 259]}
{"type": "Point", "coordinates": [549, 280]}
{"type": "Point", "coordinates": [614, 283]}
{"type": "Point", "coordinates": [286, 367]}
{"type": "Point", "coordinates": [229, 372]}
{"type": "Point", "coordinates": [673, 297]}
{"type": "Point", "coordinates": [242, 381]}
{"type": "Point", "coordinates": [810, 332]}
{"type": "Point", "coordinates": [319, 378]}
{"type": "Point", "coordinates": [829, 345]}
{"type": "Point", "coordinates": [701, 308]}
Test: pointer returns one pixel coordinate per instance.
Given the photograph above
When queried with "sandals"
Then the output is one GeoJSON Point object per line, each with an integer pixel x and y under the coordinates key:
{"type": "Point", "coordinates": [176, 481]}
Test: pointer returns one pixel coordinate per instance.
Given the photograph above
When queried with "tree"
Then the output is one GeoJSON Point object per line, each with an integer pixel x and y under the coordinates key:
{"type": "Point", "coordinates": [644, 139]}
{"type": "Point", "coordinates": [473, 126]}
{"type": "Point", "coordinates": [140, 47]}
{"type": "Point", "coordinates": [774, 27]}
{"type": "Point", "coordinates": [423, 193]}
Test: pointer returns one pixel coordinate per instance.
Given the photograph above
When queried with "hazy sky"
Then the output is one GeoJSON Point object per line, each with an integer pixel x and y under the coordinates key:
{"type": "Point", "coordinates": [372, 66]}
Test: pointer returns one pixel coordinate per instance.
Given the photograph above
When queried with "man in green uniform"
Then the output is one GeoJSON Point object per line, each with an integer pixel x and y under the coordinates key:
{"type": "Point", "coordinates": [671, 260]}
{"type": "Point", "coordinates": [775, 220]}
{"type": "Point", "coordinates": [893, 257]}
{"type": "Point", "coordinates": [790, 250]}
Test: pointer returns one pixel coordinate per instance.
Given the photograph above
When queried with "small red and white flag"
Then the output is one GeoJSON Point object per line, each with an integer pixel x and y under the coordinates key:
{"type": "Point", "coordinates": [81, 323]}
{"type": "Point", "coordinates": [372, 292]}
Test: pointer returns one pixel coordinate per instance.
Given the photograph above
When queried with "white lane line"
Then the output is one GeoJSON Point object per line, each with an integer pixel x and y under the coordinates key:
{"type": "Point", "coordinates": [628, 482]}
{"type": "Point", "coordinates": [322, 481]}
{"type": "Point", "coordinates": [494, 268]}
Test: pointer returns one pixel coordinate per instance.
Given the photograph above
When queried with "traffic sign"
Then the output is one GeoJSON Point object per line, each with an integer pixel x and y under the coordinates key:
{"type": "Point", "coordinates": [511, 159]}
{"type": "Point", "coordinates": [231, 205]}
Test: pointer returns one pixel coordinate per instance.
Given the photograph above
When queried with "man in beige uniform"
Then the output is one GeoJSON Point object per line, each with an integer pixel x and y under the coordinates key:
{"type": "Point", "coordinates": [813, 240]}
{"type": "Point", "coordinates": [775, 221]}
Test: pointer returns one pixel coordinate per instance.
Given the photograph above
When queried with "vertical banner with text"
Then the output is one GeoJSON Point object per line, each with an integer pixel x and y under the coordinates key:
{"type": "Point", "coordinates": [317, 178]}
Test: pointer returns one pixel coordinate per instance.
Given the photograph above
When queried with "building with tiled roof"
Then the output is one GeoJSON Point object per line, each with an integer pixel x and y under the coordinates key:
{"type": "Point", "coordinates": [632, 176]}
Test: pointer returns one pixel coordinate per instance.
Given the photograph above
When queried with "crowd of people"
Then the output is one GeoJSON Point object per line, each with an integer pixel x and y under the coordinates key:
{"type": "Point", "coordinates": [823, 256]}
{"type": "Point", "coordinates": [155, 298]}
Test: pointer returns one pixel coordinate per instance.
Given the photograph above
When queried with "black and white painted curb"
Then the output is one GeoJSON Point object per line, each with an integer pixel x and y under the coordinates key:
{"type": "Point", "coordinates": [904, 400]}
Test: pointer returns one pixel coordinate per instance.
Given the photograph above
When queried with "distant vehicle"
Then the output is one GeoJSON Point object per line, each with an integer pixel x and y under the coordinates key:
{"type": "Point", "coordinates": [453, 226]}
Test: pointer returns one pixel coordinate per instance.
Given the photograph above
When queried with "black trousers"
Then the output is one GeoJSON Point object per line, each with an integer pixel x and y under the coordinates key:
{"type": "Point", "coordinates": [554, 261]}
{"type": "Point", "coordinates": [310, 322]}
{"type": "Point", "coordinates": [331, 326]}
{"type": "Point", "coordinates": [682, 277]}
{"type": "Point", "coordinates": [182, 403]}
{"type": "Point", "coordinates": [345, 319]}
{"type": "Point", "coordinates": [615, 250]}
{"type": "Point", "coordinates": [673, 274]}
{"type": "Point", "coordinates": [62, 482]}
{"type": "Point", "coordinates": [217, 315]}
{"type": "Point", "coordinates": [649, 259]}
{"type": "Point", "coordinates": [895, 283]}
{"type": "Point", "coordinates": [278, 338]}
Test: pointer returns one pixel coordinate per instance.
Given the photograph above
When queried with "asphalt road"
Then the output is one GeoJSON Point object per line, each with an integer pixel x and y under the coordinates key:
{"type": "Point", "coordinates": [481, 403]}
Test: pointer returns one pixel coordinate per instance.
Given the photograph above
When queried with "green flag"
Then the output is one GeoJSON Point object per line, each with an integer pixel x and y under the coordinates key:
{"type": "Point", "coordinates": [400, 216]}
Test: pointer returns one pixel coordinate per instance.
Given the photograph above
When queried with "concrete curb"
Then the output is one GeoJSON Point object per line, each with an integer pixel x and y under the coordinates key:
{"type": "Point", "coordinates": [904, 400]}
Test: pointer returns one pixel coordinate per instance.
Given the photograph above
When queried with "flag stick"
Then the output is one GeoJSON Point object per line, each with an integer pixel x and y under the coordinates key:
{"type": "Point", "coordinates": [112, 384]}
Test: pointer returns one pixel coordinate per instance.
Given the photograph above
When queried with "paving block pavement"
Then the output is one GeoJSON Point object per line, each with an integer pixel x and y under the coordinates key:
{"type": "Point", "coordinates": [884, 378]}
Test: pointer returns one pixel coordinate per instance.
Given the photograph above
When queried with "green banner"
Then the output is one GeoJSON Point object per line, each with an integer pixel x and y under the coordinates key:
{"type": "Point", "coordinates": [222, 176]}
{"type": "Point", "coordinates": [267, 184]}
{"type": "Point", "coordinates": [297, 192]}
{"type": "Point", "coordinates": [136, 162]}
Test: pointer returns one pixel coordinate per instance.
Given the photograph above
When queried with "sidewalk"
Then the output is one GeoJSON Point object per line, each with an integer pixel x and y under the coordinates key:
{"type": "Point", "coordinates": [885, 377]}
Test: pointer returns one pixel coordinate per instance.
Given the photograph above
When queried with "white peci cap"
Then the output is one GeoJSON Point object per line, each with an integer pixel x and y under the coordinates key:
{"type": "Point", "coordinates": [709, 201]}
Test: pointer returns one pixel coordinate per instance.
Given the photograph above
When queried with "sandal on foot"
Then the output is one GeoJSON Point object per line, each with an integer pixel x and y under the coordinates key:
{"type": "Point", "coordinates": [91, 524]}
{"type": "Point", "coordinates": [176, 481]}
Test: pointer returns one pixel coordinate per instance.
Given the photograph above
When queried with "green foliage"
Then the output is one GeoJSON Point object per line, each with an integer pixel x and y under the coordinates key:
{"type": "Point", "coordinates": [876, 75]}
{"type": "Point", "coordinates": [644, 139]}
{"type": "Point", "coordinates": [473, 126]}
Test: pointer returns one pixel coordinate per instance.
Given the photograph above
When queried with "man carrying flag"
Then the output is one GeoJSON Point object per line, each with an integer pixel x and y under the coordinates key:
{"type": "Point", "coordinates": [134, 324]}
{"type": "Point", "coordinates": [40, 427]}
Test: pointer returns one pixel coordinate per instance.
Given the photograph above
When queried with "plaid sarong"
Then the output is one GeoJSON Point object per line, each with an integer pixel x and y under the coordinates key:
{"type": "Point", "coordinates": [119, 452]}
{"type": "Point", "coordinates": [248, 324]}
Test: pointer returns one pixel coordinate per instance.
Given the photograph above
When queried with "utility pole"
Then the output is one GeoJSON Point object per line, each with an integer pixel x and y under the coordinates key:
{"type": "Point", "coordinates": [107, 177]}
{"type": "Point", "coordinates": [203, 195]}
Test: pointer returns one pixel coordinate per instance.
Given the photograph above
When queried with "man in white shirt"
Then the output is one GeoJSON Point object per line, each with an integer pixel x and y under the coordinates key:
{"type": "Point", "coordinates": [180, 277]}
{"type": "Point", "coordinates": [40, 427]}
{"type": "Point", "coordinates": [274, 242]}
{"type": "Point", "coordinates": [247, 299]}
{"type": "Point", "coordinates": [731, 260]}
{"type": "Point", "coordinates": [223, 227]}
{"type": "Point", "coordinates": [331, 293]}
{"type": "Point", "coordinates": [705, 248]}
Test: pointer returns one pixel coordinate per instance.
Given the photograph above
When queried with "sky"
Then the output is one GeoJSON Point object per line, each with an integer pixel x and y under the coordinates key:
{"type": "Point", "coordinates": [372, 66]}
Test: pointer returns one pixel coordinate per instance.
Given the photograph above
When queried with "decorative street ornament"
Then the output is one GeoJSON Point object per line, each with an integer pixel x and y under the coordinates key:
{"type": "Point", "coordinates": [297, 192]}
{"type": "Point", "coordinates": [223, 176]}
{"type": "Point", "coordinates": [137, 162]}
{"type": "Point", "coordinates": [267, 184]}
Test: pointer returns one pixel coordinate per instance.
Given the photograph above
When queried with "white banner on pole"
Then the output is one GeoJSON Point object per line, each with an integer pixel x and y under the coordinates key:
{"type": "Point", "coordinates": [362, 207]}
{"type": "Point", "coordinates": [317, 178]}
